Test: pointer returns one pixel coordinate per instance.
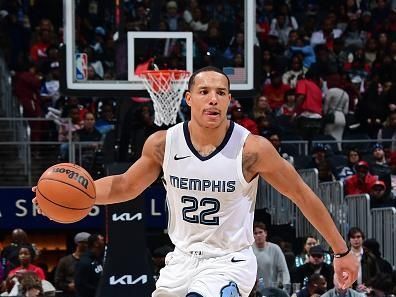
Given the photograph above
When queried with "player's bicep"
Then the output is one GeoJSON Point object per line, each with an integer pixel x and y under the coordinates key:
{"type": "Point", "coordinates": [148, 167]}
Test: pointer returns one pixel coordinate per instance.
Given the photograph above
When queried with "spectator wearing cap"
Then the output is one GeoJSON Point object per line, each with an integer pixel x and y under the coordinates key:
{"type": "Point", "coordinates": [90, 267]}
{"type": "Point", "coordinates": [275, 91]}
{"type": "Point", "coordinates": [360, 183]}
{"type": "Point", "coordinates": [379, 197]}
{"type": "Point", "coordinates": [368, 265]}
{"type": "Point", "coordinates": [380, 167]}
{"type": "Point", "coordinates": [378, 154]}
{"type": "Point", "coordinates": [315, 264]}
{"type": "Point", "coordinates": [64, 272]}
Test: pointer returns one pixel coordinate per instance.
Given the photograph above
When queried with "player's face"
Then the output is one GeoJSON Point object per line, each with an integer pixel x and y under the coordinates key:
{"type": "Point", "coordinates": [209, 98]}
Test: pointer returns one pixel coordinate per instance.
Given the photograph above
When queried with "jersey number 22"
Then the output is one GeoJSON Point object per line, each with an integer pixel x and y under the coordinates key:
{"type": "Point", "coordinates": [211, 205]}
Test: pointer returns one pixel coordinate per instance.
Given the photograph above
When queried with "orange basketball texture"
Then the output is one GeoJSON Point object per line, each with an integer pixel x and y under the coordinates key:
{"type": "Point", "coordinates": [65, 193]}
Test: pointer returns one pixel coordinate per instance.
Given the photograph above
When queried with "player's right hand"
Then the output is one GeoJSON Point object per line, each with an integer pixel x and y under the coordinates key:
{"type": "Point", "coordinates": [346, 270]}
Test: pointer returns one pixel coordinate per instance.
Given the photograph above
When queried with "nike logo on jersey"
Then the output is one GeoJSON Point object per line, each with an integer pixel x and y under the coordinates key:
{"type": "Point", "coordinates": [180, 158]}
{"type": "Point", "coordinates": [233, 260]}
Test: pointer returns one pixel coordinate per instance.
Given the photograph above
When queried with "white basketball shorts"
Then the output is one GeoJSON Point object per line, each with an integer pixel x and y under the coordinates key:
{"type": "Point", "coordinates": [232, 275]}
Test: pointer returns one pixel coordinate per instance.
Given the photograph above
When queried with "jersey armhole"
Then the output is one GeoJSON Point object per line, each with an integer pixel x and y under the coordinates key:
{"type": "Point", "coordinates": [168, 141]}
{"type": "Point", "coordinates": [242, 179]}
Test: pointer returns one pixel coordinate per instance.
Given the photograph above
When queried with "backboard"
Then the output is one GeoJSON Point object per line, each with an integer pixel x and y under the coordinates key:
{"type": "Point", "coordinates": [107, 43]}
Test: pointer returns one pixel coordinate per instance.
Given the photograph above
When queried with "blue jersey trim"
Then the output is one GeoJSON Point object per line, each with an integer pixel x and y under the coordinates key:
{"type": "Point", "coordinates": [187, 137]}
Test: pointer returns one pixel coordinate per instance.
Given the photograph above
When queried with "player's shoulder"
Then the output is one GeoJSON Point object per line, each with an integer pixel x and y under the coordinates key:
{"type": "Point", "coordinates": [157, 138]}
{"type": "Point", "coordinates": [256, 144]}
{"type": "Point", "coordinates": [154, 147]}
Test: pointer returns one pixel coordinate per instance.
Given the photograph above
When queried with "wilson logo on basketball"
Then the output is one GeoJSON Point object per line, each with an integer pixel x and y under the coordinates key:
{"type": "Point", "coordinates": [73, 175]}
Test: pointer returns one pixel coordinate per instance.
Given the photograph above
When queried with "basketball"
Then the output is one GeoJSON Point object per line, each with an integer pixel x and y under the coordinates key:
{"type": "Point", "coordinates": [65, 193]}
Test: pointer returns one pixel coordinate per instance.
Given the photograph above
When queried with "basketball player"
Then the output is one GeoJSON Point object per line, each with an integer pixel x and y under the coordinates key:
{"type": "Point", "coordinates": [211, 167]}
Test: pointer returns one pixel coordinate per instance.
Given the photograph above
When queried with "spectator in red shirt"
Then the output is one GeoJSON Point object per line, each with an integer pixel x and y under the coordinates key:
{"type": "Point", "coordinates": [275, 91]}
{"type": "Point", "coordinates": [239, 117]}
{"type": "Point", "coordinates": [308, 106]}
{"type": "Point", "coordinates": [25, 259]}
{"type": "Point", "coordinates": [361, 182]}
{"type": "Point", "coordinates": [38, 51]}
{"type": "Point", "coordinates": [26, 88]}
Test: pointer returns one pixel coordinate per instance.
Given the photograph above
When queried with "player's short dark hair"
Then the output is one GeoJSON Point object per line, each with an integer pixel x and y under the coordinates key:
{"type": "Point", "coordinates": [259, 225]}
{"type": "Point", "coordinates": [191, 81]}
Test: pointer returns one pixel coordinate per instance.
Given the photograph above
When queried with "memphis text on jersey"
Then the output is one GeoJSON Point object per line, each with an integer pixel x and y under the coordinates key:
{"type": "Point", "coordinates": [194, 184]}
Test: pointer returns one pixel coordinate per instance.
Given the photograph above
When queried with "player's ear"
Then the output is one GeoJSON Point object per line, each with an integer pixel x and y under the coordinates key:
{"type": "Point", "coordinates": [188, 98]}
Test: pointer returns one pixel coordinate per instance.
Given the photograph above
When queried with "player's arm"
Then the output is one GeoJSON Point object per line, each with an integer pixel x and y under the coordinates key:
{"type": "Point", "coordinates": [126, 186]}
{"type": "Point", "coordinates": [261, 158]}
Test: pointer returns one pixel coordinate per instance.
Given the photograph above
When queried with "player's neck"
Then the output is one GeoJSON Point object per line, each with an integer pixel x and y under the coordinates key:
{"type": "Point", "coordinates": [205, 137]}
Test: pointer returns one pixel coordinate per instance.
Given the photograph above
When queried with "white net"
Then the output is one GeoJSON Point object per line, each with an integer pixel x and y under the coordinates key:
{"type": "Point", "coordinates": [166, 88]}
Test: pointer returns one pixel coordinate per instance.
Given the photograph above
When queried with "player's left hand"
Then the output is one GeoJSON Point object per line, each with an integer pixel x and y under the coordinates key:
{"type": "Point", "coordinates": [346, 270]}
{"type": "Point", "coordinates": [34, 201]}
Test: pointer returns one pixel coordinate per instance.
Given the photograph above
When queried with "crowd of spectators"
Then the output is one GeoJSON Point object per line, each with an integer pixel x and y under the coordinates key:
{"type": "Point", "coordinates": [75, 275]}
{"type": "Point", "coordinates": [282, 270]}
{"type": "Point", "coordinates": [325, 69]}
{"type": "Point", "coordinates": [311, 273]}
{"type": "Point", "coordinates": [327, 72]}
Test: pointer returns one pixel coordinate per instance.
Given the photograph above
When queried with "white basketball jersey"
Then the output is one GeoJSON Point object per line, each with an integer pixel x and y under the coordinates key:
{"type": "Point", "coordinates": [211, 205]}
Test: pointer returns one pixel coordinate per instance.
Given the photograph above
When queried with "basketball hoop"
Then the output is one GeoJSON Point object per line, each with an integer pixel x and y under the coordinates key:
{"type": "Point", "coordinates": [166, 88]}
